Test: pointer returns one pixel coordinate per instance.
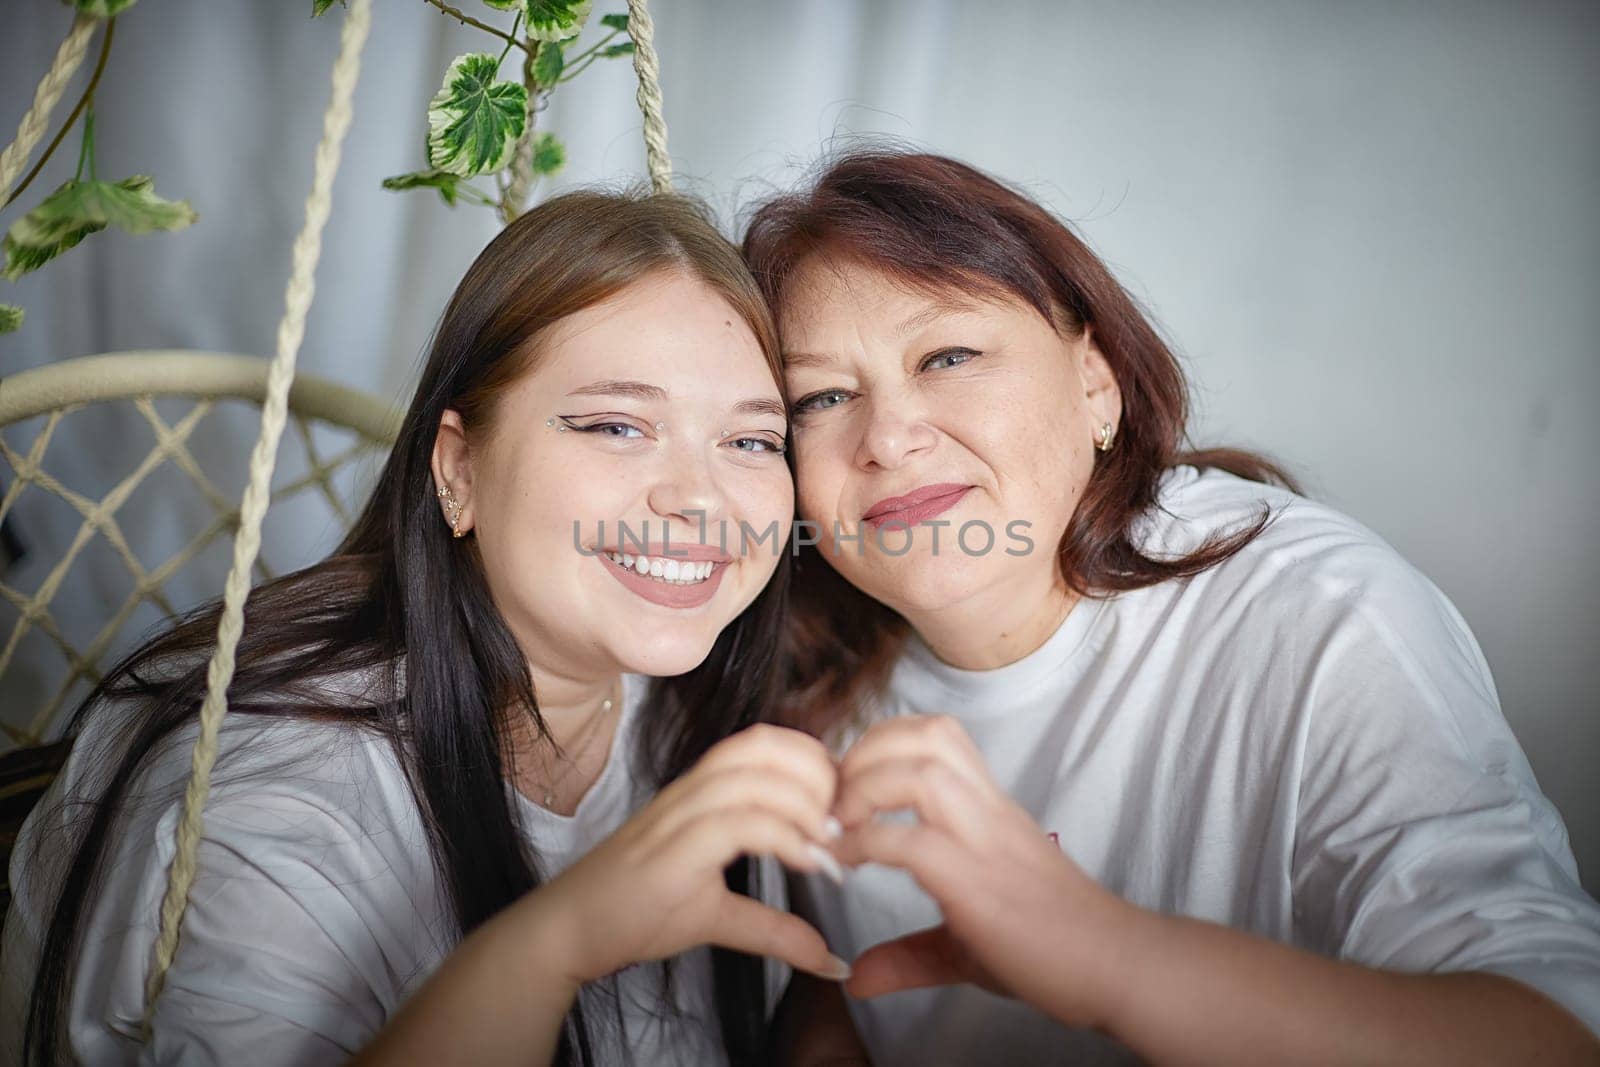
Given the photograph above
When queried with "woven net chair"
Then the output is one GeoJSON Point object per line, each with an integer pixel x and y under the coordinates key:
{"type": "Point", "coordinates": [341, 433]}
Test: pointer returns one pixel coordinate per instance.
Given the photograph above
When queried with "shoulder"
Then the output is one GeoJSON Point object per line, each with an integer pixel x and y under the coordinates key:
{"type": "Point", "coordinates": [1309, 565]}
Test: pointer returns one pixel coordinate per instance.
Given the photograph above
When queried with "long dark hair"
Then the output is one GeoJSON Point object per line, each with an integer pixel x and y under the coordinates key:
{"type": "Point", "coordinates": [935, 223]}
{"type": "Point", "coordinates": [401, 590]}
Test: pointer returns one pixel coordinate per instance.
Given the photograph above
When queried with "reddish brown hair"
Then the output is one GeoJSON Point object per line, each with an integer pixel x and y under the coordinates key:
{"type": "Point", "coordinates": [935, 224]}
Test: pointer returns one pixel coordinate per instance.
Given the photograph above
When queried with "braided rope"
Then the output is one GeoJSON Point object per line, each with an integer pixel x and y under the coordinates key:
{"type": "Point", "coordinates": [247, 543]}
{"type": "Point", "coordinates": [645, 65]}
{"type": "Point", "coordinates": [69, 57]}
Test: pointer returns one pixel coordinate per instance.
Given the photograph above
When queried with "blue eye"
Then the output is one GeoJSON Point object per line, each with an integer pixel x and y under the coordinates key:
{"type": "Point", "coordinates": [828, 398]}
{"type": "Point", "coordinates": [616, 430]}
{"type": "Point", "coordinates": [760, 444]}
{"type": "Point", "coordinates": [959, 355]}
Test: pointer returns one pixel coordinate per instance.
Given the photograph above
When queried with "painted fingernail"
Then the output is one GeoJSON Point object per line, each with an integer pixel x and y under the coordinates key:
{"type": "Point", "coordinates": [836, 970]}
{"type": "Point", "coordinates": [824, 859]}
{"type": "Point", "coordinates": [832, 828]}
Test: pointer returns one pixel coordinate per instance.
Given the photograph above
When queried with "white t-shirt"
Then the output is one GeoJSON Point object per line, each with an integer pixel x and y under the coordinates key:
{"type": "Point", "coordinates": [316, 910]}
{"type": "Point", "coordinates": [1303, 742]}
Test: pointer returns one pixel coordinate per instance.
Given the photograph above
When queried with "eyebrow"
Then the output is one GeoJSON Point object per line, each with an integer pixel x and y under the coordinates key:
{"type": "Point", "coordinates": [645, 391]}
{"type": "Point", "coordinates": [618, 387]}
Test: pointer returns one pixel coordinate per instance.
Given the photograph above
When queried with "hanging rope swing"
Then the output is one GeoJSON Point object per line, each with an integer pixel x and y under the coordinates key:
{"type": "Point", "coordinates": [280, 376]}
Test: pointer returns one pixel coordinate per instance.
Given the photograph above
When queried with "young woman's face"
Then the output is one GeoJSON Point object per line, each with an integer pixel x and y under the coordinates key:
{"type": "Point", "coordinates": [916, 409]}
{"type": "Point", "coordinates": [657, 410]}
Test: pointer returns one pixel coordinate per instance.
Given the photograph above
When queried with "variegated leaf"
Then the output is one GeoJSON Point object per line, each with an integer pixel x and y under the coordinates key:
{"type": "Point", "coordinates": [555, 20]}
{"type": "Point", "coordinates": [320, 7]}
{"type": "Point", "coordinates": [78, 209]}
{"type": "Point", "coordinates": [548, 64]}
{"type": "Point", "coordinates": [475, 120]}
{"type": "Point", "coordinates": [441, 180]}
{"type": "Point", "coordinates": [548, 154]}
{"type": "Point", "coordinates": [10, 318]}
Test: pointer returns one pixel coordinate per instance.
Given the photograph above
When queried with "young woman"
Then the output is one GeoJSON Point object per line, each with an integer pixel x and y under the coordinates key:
{"type": "Point", "coordinates": [433, 784]}
{"type": "Point", "coordinates": [1218, 777]}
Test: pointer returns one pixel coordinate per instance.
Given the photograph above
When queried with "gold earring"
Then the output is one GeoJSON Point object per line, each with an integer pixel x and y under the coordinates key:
{"type": "Point", "coordinates": [1106, 437]}
{"type": "Point", "coordinates": [453, 506]}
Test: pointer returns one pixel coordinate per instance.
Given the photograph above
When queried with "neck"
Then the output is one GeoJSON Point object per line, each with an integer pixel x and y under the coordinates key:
{"type": "Point", "coordinates": [569, 700]}
{"type": "Point", "coordinates": [995, 627]}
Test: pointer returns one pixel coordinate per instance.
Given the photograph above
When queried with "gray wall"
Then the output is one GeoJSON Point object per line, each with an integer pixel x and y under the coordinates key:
{"type": "Point", "coordinates": [1370, 227]}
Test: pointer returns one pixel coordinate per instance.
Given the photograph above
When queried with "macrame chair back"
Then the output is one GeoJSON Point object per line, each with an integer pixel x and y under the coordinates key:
{"type": "Point", "coordinates": [275, 399]}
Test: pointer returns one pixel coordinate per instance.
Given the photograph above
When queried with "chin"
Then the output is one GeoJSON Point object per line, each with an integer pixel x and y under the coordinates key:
{"type": "Point", "coordinates": [663, 655]}
{"type": "Point", "coordinates": [920, 583]}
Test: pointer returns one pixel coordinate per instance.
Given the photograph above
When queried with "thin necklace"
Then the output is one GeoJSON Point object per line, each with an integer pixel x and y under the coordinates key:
{"type": "Point", "coordinates": [589, 732]}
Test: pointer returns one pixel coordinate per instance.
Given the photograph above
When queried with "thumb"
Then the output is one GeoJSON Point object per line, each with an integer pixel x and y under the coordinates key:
{"type": "Point", "coordinates": [926, 958]}
{"type": "Point", "coordinates": [753, 927]}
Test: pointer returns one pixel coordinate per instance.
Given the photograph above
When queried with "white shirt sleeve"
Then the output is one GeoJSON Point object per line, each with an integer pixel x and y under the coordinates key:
{"type": "Point", "coordinates": [1423, 842]}
{"type": "Point", "coordinates": [279, 960]}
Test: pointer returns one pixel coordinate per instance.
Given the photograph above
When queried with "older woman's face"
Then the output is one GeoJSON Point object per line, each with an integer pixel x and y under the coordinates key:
{"type": "Point", "coordinates": [954, 435]}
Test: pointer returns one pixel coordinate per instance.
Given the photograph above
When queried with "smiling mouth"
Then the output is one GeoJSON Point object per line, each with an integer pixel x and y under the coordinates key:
{"type": "Point", "coordinates": [916, 506]}
{"type": "Point", "coordinates": [665, 570]}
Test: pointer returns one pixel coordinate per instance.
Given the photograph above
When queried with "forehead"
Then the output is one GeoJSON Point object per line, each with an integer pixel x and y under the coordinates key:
{"type": "Point", "coordinates": [670, 329]}
{"type": "Point", "coordinates": [826, 295]}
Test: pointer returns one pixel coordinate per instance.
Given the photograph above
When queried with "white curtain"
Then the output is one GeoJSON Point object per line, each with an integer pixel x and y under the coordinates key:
{"type": "Point", "coordinates": [1370, 228]}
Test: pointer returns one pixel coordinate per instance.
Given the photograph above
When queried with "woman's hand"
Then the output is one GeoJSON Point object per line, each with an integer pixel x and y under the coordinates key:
{"type": "Point", "coordinates": [655, 887]}
{"type": "Point", "coordinates": [1020, 918]}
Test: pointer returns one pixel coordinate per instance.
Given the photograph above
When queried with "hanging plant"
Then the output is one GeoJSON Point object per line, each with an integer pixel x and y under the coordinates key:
{"type": "Point", "coordinates": [478, 125]}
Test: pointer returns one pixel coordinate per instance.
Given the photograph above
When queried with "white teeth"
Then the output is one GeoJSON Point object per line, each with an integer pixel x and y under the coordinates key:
{"type": "Point", "coordinates": [677, 572]}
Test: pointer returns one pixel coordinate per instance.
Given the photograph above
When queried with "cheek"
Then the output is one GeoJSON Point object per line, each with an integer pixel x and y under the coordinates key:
{"type": "Point", "coordinates": [821, 464]}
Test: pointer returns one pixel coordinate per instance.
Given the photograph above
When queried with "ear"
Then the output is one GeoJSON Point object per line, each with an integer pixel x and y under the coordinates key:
{"type": "Point", "coordinates": [1102, 395]}
{"type": "Point", "coordinates": [452, 466]}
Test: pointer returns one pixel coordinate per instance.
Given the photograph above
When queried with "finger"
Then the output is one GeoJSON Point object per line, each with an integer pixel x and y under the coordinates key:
{"type": "Point", "coordinates": [716, 839]}
{"type": "Point", "coordinates": [927, 786]}
{"type": "Point", "coordinates": [750, 926]}
{"type": "Point", "coordinates": [926, 958]}
{"type": "Point", "coordinates": [740, 787]}
{"type": "Point", "coordinates": [938, 737]}
{"type": "Point", "coordinates": [930, 855]}
{"type": "Point", "coordinates": [781, 750]}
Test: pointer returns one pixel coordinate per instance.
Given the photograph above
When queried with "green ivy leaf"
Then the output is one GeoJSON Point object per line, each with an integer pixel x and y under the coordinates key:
{"type": "Point", "coordinates": [10, 318]}
{"type": "Point", "coordinates": [556, 20]}
{"type": "Point", "coordinates": [503, 5]}
{"type": "Point", "coordinates": [613, 51]}
{"type": "Point", "coordinates": [615, 22]}
{"type": "Point", "coordinates": [474, 121]}
{"type": "Point", "coordinates": [78, 209]}
{"type": "Point", "coordinates": [320, 7]}
{"type": "Point", "coordinates": [549, 155]}
{"type": "Point", "coordinates": [103, 9]}
{"type": "Point", "coordinates": [548, 64]}
{"type": "Point", "coordinates": [441, 180]}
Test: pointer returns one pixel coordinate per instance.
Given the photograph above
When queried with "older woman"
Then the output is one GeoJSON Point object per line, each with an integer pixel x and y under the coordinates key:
{"type": "Point", "coordinates": [1200, 769]}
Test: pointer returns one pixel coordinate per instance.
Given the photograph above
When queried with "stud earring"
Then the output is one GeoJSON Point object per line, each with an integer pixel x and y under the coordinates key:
{"type": "Point", "coordinates": [453, 506]}
{"type": "Point", "coordinates": [1106, 437]}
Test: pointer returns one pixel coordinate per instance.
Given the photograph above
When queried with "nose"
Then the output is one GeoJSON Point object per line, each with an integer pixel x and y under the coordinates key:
{"type": "Point", "coordinates": [894, 432]}
{"type": "Point", "coordinates": [687, 491]}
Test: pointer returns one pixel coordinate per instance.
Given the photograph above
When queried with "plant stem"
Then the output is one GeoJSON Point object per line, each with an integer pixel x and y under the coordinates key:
{"type": "Point", "coordinates": [587, 52]}
{"type": "Point", "coordinates": [516, 23]}
{"type": "Point", "coordinates": [468, 20]}
{"type": "Point", "coordinates": [83, 102]}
